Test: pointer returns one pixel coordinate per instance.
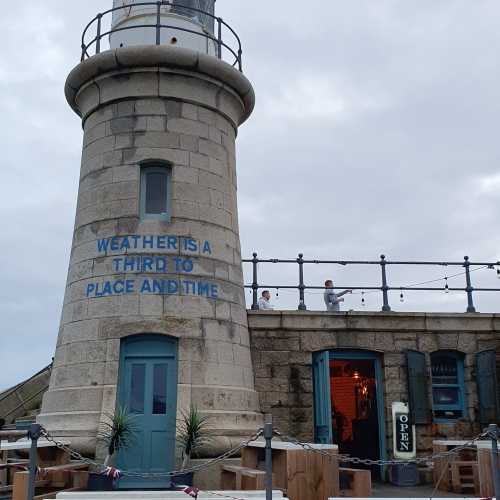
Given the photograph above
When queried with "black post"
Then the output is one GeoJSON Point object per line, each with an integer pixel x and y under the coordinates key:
{"type": "Point", "coordinates": [494, 434]}
{"type": "Point", "coordinates": [240, 59]}
{"type": "Point", "coordinates": [385, 288]}
{"type": "Point", "coordinates": [219, 38]}
{"type": "Point", "coordinates": [469, 289]}
{"type": "Point", "coordinates": [302, 304]}
{"type": "Point", "coordinates": [98, 39]}
{"type": "Point", "coordinates": [34, 434]}
{"type": "Point", "coordinates": [255, 284]}
{"type": "Point", "coordinates": [158, 23]}
{"type": "Point", "coordinates": [268, 436]}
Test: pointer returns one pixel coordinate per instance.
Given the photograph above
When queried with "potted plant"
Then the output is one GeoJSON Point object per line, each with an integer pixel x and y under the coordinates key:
{"type": "Point", "coordinates": [117, 432]}
{"type": "Point", "coordinates": [192, 435]}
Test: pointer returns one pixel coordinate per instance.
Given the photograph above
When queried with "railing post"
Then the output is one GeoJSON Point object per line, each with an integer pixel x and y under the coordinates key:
{"type": "Point", "coordinates": [255, 283]}
{"type": "Point", "coordinates": [98, 39]}
{"type": "Point", "coordinates": [219, 38]}
{"type": "Point", "coordinates": [158, 23]}
{"type": "Point", "coordinates": [34, 433]}
{"type": "Point", "coordinates": [494, 435]}
{"type": "Point", "coordinates": [302, 304]}
{"type": "Point", "coordinates": [468, 289]}
{"type": "Point", "coordinates": [240, 59]}
{"type": "Point", "coordinates": [385, 288]}
{"type": "Point", "coordinates": [268, 436]}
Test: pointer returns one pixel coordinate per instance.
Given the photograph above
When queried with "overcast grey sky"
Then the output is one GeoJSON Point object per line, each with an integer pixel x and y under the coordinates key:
{"type": "Point", "coordinates": [375, 130]}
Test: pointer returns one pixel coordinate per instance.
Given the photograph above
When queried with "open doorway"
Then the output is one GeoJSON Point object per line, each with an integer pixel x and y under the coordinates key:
{"type": "Point", "coordinates": [354, 407]}
{"type": "Point", "coordinates": [349, 404]}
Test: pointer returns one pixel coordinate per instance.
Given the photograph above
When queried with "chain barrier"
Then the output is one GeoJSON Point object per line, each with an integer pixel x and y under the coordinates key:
{"type": "Point", "coordinates": [151, 475]}
{"type": "Point", "coordinates": [368, 461]}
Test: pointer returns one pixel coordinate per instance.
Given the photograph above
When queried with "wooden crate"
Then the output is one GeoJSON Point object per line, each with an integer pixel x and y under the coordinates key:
{"type": "Point", "coordinates": [302, 474]}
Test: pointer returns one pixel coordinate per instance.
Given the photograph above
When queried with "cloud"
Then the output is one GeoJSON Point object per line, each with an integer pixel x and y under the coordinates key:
{"type": "Point", "coordinates": [489, 184]}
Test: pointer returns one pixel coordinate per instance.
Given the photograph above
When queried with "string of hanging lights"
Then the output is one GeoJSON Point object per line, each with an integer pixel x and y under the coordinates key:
{"type": "Point", "coordinates": [364, 293]}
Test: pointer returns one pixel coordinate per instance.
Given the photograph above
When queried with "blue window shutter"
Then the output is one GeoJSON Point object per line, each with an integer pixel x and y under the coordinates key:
{"type": "Point", "coordinates": [322, 401]}
{"type": "Point", "coordinates": [487, 387]}
{"type": "Point", "coordinates": [418, 393]}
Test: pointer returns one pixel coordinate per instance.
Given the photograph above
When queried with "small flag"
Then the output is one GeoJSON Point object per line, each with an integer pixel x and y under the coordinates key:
{"type": "Point", "coordinates": [191, 491]}
{"type": "Point", "coordinates": [41, 473]}
{"type": "Point", "coordinates": [112, 472]}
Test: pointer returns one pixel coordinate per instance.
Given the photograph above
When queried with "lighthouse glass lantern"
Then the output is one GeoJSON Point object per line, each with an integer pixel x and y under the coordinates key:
{"type": "Point", "coordinates": [185, 23]}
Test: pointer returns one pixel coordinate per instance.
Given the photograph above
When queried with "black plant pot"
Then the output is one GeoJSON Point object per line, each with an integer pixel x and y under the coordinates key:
{"type": "Point", "coordinates": [100, 482]}
{"type": "Point", "coordinates": [183, 479]}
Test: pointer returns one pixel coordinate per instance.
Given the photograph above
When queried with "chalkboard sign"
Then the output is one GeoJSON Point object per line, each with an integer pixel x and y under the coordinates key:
{"type": "Point", "coordinates": [404, 433]}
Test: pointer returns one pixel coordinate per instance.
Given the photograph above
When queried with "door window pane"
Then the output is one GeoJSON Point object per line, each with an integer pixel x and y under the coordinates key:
{"type": "Point", "coordinates": [137, 388]}
{"type": "Point", "coordinates": [160, 389]}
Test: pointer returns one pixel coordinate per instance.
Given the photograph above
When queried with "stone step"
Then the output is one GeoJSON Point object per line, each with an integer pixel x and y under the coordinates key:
{"type": "Point", "coordinates": [164, 495]}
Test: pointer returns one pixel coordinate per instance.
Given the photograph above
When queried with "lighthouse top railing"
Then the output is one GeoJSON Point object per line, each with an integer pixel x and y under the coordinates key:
{"type": "Point", "coordinates": [225, 38]}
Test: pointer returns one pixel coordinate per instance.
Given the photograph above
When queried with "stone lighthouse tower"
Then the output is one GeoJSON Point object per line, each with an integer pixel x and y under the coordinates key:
{"type": "Point", "coordinates": [154, 315]}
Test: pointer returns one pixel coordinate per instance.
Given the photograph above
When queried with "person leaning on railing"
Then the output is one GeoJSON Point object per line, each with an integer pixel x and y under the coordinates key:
{"type": "Point", "coordinates": [265, 301]}
{"type": "Point", "coordinates": [332, 299]}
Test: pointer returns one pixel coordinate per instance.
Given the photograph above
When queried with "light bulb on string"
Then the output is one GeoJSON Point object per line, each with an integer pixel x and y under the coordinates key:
{"type": "Point", "coordinates": [401, 297]}
{"type": "Point", "coordinates": [277, 292]}
{"type": "Point", "coordinates": [363, 302]}
{"type": "Point", "coordinates": [446, 287]}
{"type": "Point", "coordinates": [498, 273]}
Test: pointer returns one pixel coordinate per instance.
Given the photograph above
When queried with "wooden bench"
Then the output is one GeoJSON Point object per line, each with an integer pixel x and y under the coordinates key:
{"type": "Point", "coordinates": [360, 481]}
{"type": "Point", "coordinates": [235, 477]}
{"type": "Point", "coordinates": [71, 476]}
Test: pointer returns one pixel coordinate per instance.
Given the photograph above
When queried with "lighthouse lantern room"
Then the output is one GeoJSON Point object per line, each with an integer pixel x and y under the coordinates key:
{"type": "Point", "coordinates": [184, 23]}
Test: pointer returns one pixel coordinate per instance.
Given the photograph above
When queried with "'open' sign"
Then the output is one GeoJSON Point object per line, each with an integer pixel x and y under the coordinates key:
{"type": "Point", "coordinates": [404, 433]}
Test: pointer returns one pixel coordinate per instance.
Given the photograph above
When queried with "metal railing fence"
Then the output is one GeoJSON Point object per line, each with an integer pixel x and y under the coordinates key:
{"type": "Point", "coordinates": [384, 287]}
{"type": "Point", "coordinates": [88, 42]}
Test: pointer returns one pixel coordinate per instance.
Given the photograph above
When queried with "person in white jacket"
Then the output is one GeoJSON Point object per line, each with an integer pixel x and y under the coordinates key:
{"type": "Point", "coordinates": [332, 299]}
{"type": "Point", "coordinates": [264, 301]}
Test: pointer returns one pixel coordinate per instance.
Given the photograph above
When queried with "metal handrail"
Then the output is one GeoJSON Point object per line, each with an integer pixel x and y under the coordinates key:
{"type": "Point", "coordinates": [9, 391]}
{"type": "Point", "coordinates": [158, 26]}
{"type": "Point", "coordinates": [26, 401]}
{"type": "Point", "coordinates": [384, 287]}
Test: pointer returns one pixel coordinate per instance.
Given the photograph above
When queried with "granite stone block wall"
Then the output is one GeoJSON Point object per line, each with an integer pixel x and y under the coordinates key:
{"type": "Point", "coordinates": [156, 104]}
{"type": "Point", "coordinates": [283, 344]}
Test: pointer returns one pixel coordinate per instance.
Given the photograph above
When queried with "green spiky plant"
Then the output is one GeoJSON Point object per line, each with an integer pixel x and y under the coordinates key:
{"type": "Point", "coordinates": [117, 432]}
{"type": "Point", "coordinates": [192, 434]}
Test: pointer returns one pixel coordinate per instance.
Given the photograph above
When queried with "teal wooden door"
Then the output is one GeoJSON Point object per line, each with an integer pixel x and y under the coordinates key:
{"type": "Point", "coordinates": [148, 389]}
{"type": "Point", "coordinates": [322, 398]}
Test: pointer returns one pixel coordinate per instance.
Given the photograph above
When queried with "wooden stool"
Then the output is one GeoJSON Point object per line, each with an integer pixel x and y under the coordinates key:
{"type": "Point", "coordinates": [235, 477]}
{"type": "Point", "coordinates": [360, 481]}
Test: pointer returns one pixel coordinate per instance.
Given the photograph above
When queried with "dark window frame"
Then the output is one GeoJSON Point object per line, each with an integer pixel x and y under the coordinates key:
{"type": "Point", "coordinates": [155, 166]}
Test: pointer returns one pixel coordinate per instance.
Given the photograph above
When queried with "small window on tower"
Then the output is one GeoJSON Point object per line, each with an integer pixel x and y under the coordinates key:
{"type": "Point", "coordinates": [155, 191]}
